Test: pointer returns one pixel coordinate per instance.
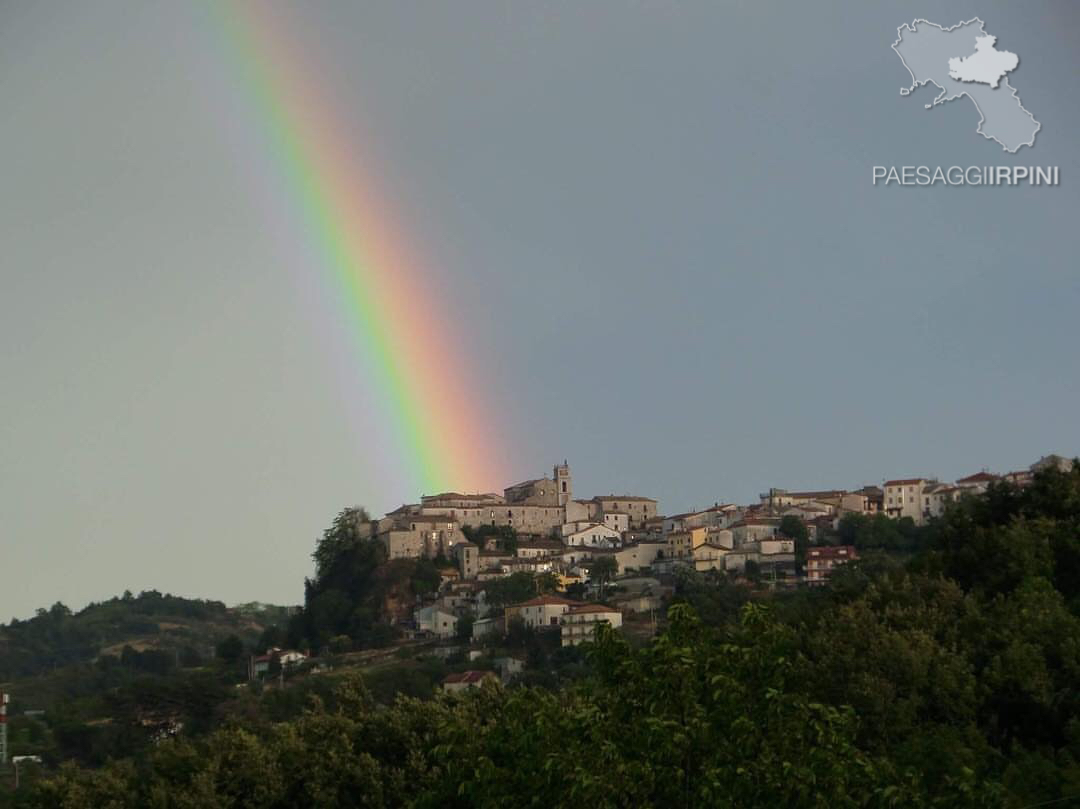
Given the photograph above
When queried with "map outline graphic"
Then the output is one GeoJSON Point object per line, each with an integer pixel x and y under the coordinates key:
{"type": "Point", "coordinates": [944, 96]}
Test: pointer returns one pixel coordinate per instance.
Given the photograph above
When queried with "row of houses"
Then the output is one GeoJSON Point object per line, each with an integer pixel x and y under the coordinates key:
{"type": "Point", "coordinates": [567, 537]}
{"type": "Point", "coordinates": [576, 621]}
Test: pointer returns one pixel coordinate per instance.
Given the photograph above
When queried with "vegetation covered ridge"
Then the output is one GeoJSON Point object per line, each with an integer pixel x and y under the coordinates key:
{"type": "Point", "coordinates": [948, 675]}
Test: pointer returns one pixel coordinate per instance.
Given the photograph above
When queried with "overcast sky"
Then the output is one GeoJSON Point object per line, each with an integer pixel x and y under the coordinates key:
{"type": "Point", "coordinates": [654, 220]}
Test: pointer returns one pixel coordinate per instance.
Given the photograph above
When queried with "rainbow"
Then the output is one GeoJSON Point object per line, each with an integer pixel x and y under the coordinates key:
{"type": "Point", "coordinates": [442, 436]}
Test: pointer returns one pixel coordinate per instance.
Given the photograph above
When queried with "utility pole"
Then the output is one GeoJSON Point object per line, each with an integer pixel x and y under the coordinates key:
{"type": "Point", "coordinates": [3, 729]}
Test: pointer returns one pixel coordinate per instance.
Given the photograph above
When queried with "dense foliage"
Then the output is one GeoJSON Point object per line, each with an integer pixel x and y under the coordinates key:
{"type": "Point", "coordinates": [351, 600]}
{"type": "Point", "coordinates": [57, 637]}
{"type": "Point", "coordinates": [952, 679]}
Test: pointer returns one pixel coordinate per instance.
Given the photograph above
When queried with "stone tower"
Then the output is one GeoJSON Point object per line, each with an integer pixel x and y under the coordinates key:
{"type": "Point", "coordinates": [563, 483]}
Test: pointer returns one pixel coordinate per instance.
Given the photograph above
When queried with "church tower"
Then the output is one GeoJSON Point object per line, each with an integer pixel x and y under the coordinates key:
{"type": "Point", "coordinates": [563, 483]}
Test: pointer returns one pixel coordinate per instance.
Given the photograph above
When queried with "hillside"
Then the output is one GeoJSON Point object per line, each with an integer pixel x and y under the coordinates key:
{"type": "Point", "coordinates": [185, 629]}
{"type": "Point", "coordinates": [944, 677]}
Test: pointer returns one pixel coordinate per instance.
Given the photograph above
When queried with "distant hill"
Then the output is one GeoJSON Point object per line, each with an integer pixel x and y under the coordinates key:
{"type": "Point", "coordinates": [57, 637]}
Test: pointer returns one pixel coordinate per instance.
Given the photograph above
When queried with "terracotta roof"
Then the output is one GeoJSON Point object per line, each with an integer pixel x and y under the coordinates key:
{"type": "Point", "coordinates": [467, 677]}
{"type": "Point", "coordinates": [904, 481]}
{"type": "Point", "coordinates": [978, 477]}
{"type": "Point", "coordinates": [541, 601]}
{"type": "Point", "coordinates": [541, 544]}
{"type": "Point", "coordinates": [627, 497]}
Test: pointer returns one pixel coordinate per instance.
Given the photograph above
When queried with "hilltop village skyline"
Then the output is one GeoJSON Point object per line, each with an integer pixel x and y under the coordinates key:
{"type": "Point", "coordinates": [556, 532]}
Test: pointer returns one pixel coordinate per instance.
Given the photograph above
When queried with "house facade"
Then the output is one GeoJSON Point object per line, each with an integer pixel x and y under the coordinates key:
{"type": "Point", "coordinates": [542, 612]}
{"type": "Point", "coordinates": [903, 497]}
{"type": "Point", "coordinates": [436, 621]}
{"type": "Point", "coordinates": [579, 623]}
{"type": "Point", "coordinates": [820, 562]}
{"type": "Point", "coordinates": [594, 536]}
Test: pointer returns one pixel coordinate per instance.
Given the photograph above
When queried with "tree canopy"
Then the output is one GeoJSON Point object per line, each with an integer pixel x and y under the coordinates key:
{"type": "Point", "coordinates": [950, 678]}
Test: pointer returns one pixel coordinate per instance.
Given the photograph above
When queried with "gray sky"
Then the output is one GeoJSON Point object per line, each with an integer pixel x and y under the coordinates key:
{"type": "Point", "coordinates": [655, 219]}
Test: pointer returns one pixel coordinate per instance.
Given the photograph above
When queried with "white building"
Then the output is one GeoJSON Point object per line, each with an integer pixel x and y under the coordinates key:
{"type": "Point", "coordinates": [579, 624]}
{"type": "Point", "coordinates": [437, 621]}
{"type": "Point", "coordinates": [639, 556]}
{"type": "Point", "coordinates": [594, 536]}
{"type": "Point", "coordinates": [456, 683]}
{"type": "Point", "coordinates": [709, 557]}
{"type": "Point", "coordinates": [541, 612]}
{"type": "Point", "coordinates": [904, 498]}
{"type": "Point", "coordinates": [977, 483]}
{"type": "Point", "coordinates": [617, 521]}
{"type": "Point", "coordinates": [721, 537]}
{"type": "Point", "coordinates": [820, 562]}
{"type": "Point", "coordinates": [483, 627]}
{"type": "Point", "coordinates": [468, 559]}
{"type": "Point", "coordinates": [754, 529]}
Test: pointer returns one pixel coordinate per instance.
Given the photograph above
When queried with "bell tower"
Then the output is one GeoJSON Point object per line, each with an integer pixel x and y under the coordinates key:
{"type": "Point", "coordinates": [564, 485]}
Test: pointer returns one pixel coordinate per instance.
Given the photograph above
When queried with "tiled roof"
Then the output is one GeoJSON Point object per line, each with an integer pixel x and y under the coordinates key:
{"type": "Point", "coordinates": [978, 477]}
{"type": "Point", "coordinates": [467, 677]}
{"type": "Point", "coordinates": [904, 481]}
{"type": "Point", "coordinates": [541, 601]}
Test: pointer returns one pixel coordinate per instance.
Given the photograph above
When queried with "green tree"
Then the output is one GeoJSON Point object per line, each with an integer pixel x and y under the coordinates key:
{"type": "Point", "coordinates": [464, 627]}
{"type": "Point", "coordinates": [794, 528]}
{"type": "Point", "coordinates": [546, 583]}
{"type": "Point", "coordinates": [231, 649]}
{"type": "Point", "coordinates": [752, 571]}
{"type": "Point", "coordinates": [603, 570]}
{"type": "Point", "coordinates": [513, 589]}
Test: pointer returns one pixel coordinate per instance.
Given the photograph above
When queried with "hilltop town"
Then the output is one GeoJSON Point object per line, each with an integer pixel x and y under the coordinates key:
{"type": "Point", "coordinates": [538, 528]}
{"type": "Point", "coordinates": [532, 636]}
